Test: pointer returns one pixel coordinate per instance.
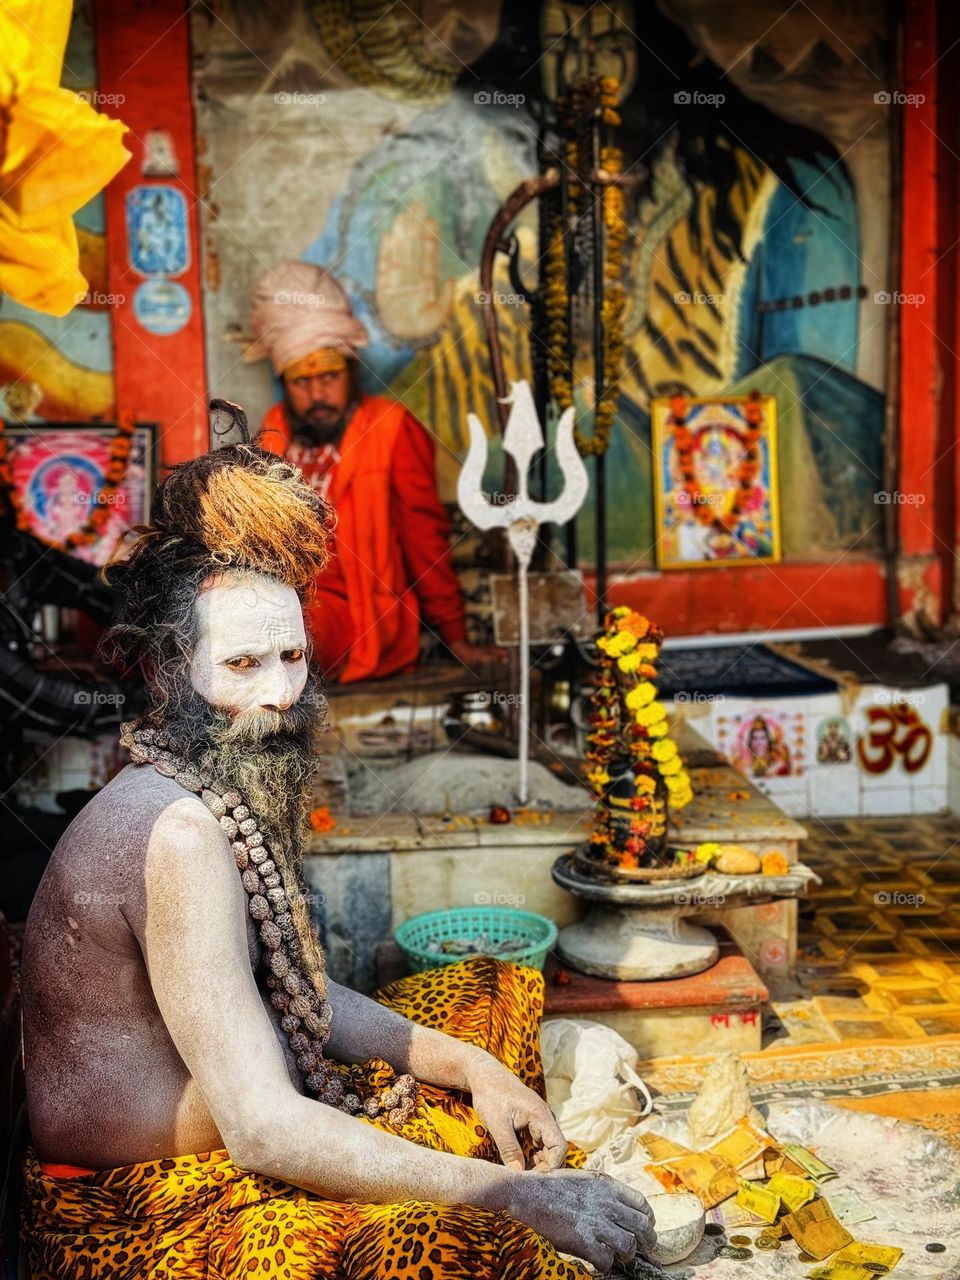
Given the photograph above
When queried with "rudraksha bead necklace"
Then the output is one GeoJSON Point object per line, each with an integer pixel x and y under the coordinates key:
{"type": "Point", "coordinates": [305, 1010]}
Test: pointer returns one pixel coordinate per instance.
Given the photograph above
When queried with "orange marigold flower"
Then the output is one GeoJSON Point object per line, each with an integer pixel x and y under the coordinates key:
{"type": "Point", "coordinates": [322, 819]}
{"type": "Point", "coordinates": [774, 864]}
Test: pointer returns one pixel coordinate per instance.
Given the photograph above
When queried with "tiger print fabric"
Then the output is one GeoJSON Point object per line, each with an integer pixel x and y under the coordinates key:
{"type": "Point", "coordinates": [200, 1216]}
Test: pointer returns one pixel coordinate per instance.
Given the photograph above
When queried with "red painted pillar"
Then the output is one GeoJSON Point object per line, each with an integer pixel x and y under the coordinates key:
{"type": "Point", "coordinates": [924, 555]}
{"type": "Point", "coordinates": [948, 132]}
{"type": "Point", "coordinates": [143, 59]}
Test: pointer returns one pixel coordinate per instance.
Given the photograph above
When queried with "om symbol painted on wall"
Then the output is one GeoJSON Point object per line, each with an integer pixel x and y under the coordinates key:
{"type": "Point", "coordinates": [894, 731]}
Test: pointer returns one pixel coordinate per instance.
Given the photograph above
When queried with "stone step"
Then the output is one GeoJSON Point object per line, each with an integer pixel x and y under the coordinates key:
{"type": "Point", "coordinates": [706, 1013]}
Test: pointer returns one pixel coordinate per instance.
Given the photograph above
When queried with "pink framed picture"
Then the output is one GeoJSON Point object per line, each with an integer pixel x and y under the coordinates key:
{"type": "Point", "coordinates": [58, 471]}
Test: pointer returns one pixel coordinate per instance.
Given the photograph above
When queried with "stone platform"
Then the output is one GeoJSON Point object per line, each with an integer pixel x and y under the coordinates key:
{"type": "Point", "coordinates": [709, 1012]}
{"type": "Point", "coordinates": [637, 932]}
{"type": "Point", "coordinates": [370, 873]}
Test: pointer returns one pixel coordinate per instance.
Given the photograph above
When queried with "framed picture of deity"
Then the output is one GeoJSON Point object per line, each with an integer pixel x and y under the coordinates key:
{"type": "Point", "coordinates": [715, 481]}
{"type": "Point", "coordinates": [81, 486]}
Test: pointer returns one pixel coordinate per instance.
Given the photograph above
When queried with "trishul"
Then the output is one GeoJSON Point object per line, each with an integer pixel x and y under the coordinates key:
{"type": "Point", "coordinates": [521, 515]}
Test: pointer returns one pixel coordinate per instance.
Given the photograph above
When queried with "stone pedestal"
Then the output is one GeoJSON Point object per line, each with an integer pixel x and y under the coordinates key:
{"type": "Point", "coordinates": [635, 932]}
{"type": "Point", "coordinates": [621, 942]}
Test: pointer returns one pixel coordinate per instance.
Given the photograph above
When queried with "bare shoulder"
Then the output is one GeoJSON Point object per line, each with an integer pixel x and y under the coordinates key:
{"type": "Point", "coordinates": [105, 856]}
{"type": "Point", "coordinates": [85, 928]}
{"type": "Point", "coordinates": [186, 828]}
{"type": "Point", "coordinates": [188, 865]}
{"type": "Point", "coordinates": [98, 861]}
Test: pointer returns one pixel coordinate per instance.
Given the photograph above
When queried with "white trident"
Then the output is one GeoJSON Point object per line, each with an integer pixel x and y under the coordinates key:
{"type": "Point", "coordinates": [522, 438]}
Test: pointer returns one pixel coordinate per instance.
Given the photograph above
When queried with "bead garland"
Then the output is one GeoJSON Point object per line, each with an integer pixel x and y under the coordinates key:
{"type": "Point", "coordinates": [580, 105]}
{"type": "Point", "coordinates": [306, 1013]}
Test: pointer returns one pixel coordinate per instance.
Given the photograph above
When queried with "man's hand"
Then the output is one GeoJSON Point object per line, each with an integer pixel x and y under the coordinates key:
{"type": "Point", "coordinates": [478, 658]}
{"type": "Point", "coordinates": [586, 1213]}
{"type": "Point", "coordinates": [506, 1106]}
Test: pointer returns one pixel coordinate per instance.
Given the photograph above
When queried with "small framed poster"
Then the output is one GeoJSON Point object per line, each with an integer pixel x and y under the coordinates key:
{"type": "Point", "coordinates": [715, 481]}
{"type": "Point", "coordinates": [58, 470]}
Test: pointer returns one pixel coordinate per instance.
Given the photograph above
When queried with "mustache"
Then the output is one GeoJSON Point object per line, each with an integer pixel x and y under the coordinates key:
{"type": "Point", "coordinates": [263, 724]}
{"type": "Point", "coordinates": [195, 724]}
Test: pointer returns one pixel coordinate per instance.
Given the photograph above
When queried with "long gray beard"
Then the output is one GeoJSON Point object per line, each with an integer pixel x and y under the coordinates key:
{"type": "Point", "coordinates": [269, 756]}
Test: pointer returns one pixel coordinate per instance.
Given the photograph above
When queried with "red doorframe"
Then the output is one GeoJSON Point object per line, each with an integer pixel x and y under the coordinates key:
{"type": "Point", "coordinates": [143, 56]}
{"type": "Point", "coordinates": [926, 371]}
{"type": "Point", "coordinates": [948, 311]}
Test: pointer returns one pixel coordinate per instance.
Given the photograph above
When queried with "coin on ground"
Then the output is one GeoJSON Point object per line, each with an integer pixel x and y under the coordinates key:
{"type": "Point", "coordinates": [733, 1251]}
{"type": "Point", "coordinates": [767, 1242]}
{"type": "Point", "coordinates": [935, 1247]}
{"type": "Point", "coordinates": [740, 1240]}
{"type": "Point", "coordinates": [713, 1229]}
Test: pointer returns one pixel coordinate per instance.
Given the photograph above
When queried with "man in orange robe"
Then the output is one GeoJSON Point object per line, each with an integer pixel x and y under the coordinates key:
{"type": "Point", "coordinates": [370, 458]}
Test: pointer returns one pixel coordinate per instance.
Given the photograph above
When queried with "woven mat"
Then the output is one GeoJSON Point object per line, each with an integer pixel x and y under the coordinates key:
{"type": "Point", "coordinates": [910, 1079]}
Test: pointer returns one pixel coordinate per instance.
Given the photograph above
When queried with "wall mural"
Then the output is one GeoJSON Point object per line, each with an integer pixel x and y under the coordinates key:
{"type": "Point", "coordinates": [379, 140]}
{"type": "Point", "coordinates": [60, 369]}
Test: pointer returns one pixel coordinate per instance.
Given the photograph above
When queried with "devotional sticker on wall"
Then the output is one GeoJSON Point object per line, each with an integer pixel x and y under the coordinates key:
{"type": "Point", "coordinates": [833, 741]}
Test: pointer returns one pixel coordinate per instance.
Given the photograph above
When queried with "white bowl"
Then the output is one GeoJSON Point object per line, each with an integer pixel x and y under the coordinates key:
{"type": "Point", "coordinates": [679, 1220]}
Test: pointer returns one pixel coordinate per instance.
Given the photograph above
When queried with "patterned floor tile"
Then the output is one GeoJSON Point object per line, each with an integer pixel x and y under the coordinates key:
{"type": "Point", "coordinates": [865, 1029]}
{"type": "Point", "coordinates": [879, 942]}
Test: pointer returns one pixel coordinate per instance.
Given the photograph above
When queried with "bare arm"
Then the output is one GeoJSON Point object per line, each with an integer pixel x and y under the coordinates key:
{"type": "Point", "coordinates": [194, 942]}
{"type": "Point", "coordinates": [364, 1029]}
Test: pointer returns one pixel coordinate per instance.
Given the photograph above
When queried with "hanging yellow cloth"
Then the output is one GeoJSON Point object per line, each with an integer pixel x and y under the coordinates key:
{"type": "Point", "coordinates": [56, 153]}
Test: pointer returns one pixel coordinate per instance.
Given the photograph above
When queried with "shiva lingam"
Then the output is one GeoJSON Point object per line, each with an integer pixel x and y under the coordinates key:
{"type": "Point", "coordinates": [640, 892]}
{"type": "Point", "coordinates": [637, 775]}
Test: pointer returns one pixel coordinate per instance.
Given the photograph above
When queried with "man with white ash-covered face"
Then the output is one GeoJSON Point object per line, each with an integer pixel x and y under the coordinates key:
{"type": "Point", "coordinates": [203, 1099]}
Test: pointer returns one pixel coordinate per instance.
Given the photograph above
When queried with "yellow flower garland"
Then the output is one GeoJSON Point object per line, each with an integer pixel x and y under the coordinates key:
{"type": "Point", "coordinates": [615, 720]}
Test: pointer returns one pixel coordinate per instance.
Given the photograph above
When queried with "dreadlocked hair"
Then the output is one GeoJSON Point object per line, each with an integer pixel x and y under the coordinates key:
{"type": "Point", "coordinates": [237, 508]}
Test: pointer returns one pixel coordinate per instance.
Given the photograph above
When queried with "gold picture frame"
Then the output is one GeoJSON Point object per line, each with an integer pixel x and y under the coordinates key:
{"type": "Point", "coordinates": [706, 518]}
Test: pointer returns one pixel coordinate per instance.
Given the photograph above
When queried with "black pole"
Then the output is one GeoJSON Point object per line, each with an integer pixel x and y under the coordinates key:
{"type": "Point", "coordinates": [600, 478]}
{"type": "Point", "coordinates": [571, 530]}
{"type": "Point", "coordinates": [539, 357]}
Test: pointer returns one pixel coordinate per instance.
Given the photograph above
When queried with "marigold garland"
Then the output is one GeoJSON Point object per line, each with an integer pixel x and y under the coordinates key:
{"type": "Point", "coordinates": [114, 476]}
{"type": "Point", "coordinates": [684, 444]}
{"type": "Point", "coordinates": [626, 719]}
{"type": "Point", "coordinates": [583, 102]}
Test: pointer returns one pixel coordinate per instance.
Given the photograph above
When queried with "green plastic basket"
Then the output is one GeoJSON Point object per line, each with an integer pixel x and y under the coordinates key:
{"type": "Point", "coordinates": [534, 935]}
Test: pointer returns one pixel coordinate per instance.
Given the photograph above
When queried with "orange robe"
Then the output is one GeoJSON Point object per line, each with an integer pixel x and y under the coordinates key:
{"type": "Point", "coordinates": [391, 568]}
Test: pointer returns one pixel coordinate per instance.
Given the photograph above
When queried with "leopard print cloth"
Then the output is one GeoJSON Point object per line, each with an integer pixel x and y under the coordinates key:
{"type": "Point", "coordinates": [200, 1216]}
